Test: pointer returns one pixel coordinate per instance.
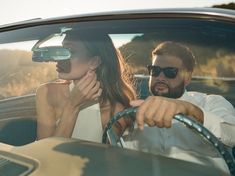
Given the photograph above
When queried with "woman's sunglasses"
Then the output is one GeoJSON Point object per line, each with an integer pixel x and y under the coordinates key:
{"type": "Point", "coordinates": [169, 72]}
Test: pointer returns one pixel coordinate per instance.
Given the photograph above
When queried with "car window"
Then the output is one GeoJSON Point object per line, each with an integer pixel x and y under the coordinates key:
{"type": "Point", "coordinates": [21, 76]}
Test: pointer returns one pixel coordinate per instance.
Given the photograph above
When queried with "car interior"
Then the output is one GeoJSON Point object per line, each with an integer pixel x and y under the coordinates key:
{"type": "Point", "coordinates": [22, 70]}
{"type": "Point", "coordinates": [211, 41]}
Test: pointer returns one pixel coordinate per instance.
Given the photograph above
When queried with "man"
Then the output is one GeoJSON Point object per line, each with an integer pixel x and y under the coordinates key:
{"type": "Point", "coordinates": [170, 73]}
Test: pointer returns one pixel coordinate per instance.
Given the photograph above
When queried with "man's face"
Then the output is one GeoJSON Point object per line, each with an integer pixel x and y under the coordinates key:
{"type": "Point", "coordinates": [169, 78]}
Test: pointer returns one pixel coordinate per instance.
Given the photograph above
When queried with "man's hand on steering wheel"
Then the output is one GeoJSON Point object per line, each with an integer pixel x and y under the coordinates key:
{"type": "Point", "coordinates": [159, 111]}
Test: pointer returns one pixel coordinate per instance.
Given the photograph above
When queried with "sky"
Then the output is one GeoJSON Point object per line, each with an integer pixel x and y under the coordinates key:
{"type": "Point", "coordinates": [19, 10]}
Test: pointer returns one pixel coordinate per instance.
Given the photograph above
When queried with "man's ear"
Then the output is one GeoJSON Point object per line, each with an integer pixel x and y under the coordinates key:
{"type": "Point", "coordinates": [187, 78]}
{"type": "Point", "coordinates": [94, 62]}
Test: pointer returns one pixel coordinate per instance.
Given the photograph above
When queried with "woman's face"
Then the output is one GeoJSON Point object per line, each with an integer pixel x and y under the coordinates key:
{"type": "Point", "coordinates": [78, 65]}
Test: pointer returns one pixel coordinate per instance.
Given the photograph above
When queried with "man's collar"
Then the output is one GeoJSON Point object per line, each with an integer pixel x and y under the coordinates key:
{"type": "Point", "coordinates": [184, 95]}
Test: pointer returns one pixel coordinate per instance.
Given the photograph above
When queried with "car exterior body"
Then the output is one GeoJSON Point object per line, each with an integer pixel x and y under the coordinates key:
{"type": "Point", "coordinates": [210, 32]}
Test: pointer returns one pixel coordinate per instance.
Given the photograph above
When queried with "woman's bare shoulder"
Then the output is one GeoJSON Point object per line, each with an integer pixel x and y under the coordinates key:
{"type": "Point", "coordinates": [52, 91]}
{"type": "Point", "coordinates": [53, 86]}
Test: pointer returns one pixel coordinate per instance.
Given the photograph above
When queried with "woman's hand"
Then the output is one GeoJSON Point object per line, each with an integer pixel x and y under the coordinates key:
{"type": "Point", "coordinates": [85, 90]}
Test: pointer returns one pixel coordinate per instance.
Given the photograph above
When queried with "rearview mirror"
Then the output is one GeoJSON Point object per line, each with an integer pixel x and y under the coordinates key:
{"type": "Point", "coordinates": [52, 53]}
{"type": "Point", "coordinates": [42, 52]}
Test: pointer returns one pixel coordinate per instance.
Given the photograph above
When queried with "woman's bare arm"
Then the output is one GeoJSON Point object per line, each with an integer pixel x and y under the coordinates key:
{"type": "Point", "coordinates": [85, 90]}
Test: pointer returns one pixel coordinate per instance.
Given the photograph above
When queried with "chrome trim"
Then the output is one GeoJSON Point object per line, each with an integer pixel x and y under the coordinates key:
{"type": "Point", "coordinates": [205, 13]}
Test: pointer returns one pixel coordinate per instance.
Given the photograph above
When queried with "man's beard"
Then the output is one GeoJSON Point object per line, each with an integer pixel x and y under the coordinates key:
{"type": "Point", "coordinates": [175, 92]}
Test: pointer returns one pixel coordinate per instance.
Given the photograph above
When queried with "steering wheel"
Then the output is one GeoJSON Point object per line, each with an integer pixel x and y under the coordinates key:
{"type": "Point", "coordinates": [109, 136]}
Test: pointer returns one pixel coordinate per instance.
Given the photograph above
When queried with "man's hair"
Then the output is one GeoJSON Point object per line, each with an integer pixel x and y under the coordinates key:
{"type": "Point", "coordinates": [178, 50]}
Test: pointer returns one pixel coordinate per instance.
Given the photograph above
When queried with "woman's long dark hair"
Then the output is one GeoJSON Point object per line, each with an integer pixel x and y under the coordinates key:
{"type": "Point", "coordinates": [113, 72]}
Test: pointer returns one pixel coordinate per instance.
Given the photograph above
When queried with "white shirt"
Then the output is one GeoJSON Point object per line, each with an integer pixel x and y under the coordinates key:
{"type": "Point", "coordinates": [219, 115]}
{"type": "Point", "coordinates": [181, 142]}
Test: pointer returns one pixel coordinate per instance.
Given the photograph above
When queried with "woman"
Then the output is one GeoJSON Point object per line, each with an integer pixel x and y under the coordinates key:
{"type": "Point", "coordinates": [96, 73]}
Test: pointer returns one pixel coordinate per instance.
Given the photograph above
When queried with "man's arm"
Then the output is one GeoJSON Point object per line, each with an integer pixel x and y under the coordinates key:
{"type": "Point", "coordinates": [219, 118]}
{"type": "Point", "coordinates": [159, 111]}
{"type": "Point", "coordinates": [215, 113]}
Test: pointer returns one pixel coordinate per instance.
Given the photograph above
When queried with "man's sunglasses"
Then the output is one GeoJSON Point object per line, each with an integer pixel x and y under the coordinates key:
{"type": "Point", "coordinates": [169, 72]}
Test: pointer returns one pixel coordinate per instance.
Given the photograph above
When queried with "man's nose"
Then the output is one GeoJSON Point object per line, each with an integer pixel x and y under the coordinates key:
{"type": "Point", "coordinates": [161, 76]}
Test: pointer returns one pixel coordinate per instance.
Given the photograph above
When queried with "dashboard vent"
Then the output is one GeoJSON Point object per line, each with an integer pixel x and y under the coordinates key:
{"type": "Point", "coordinates": [14, 165]}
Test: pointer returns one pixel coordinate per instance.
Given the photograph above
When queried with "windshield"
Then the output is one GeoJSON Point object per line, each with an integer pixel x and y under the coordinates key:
{"type": "Point", "coordinates": [212, 43]}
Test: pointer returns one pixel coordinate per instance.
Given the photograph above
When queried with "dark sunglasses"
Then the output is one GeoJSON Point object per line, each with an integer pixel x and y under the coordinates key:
{"type": "Point", "coordinates": [169, 72]}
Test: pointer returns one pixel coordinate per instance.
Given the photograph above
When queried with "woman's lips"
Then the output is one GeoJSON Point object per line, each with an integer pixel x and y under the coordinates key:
{"type": "Point", "coordinates": [63, 66]}
{"type": "Point", "coordinates": [59, 68]}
